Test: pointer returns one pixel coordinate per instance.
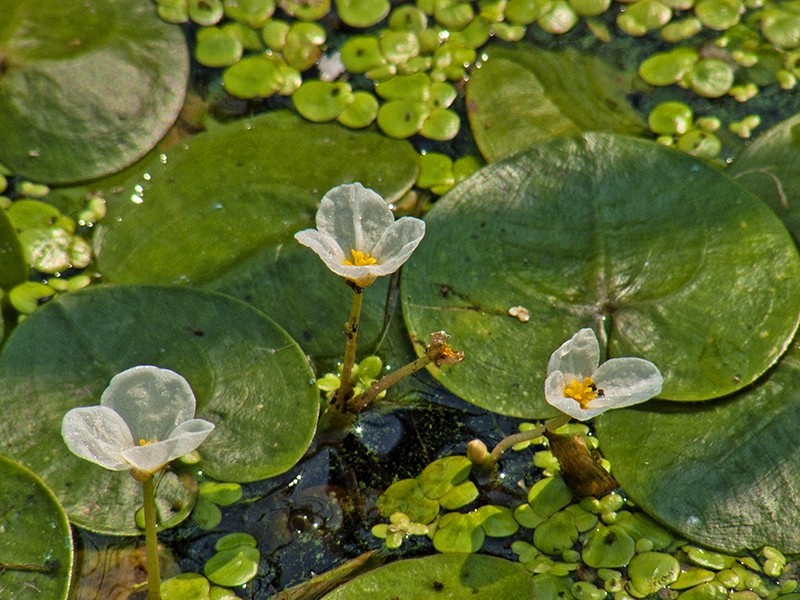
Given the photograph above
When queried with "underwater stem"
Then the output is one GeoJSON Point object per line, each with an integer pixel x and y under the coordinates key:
{"type": "Point", "coordinates": [151, 540]}
{"type": "Point", "coordinates": [351, 332]}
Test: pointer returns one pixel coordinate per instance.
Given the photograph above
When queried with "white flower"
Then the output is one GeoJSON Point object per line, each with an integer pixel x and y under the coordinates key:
{"type": "Point", "coordinates": [357, 236]}
{"type": "Point", "coordinates": [144, 421]}
{"type": "Point", "coordinates": [577, 386]}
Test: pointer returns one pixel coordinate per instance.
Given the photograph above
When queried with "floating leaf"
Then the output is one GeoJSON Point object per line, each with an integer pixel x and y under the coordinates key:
{"type": "Point", "coordinates": [770, 167]}
{"type": "Point", "coordinates": [362, 13]}
{"type": "Point", "coordinates": [520, 97]}
{"type": "Point", "coordinates": [36, 545]}
{"type": "Point", "coordinates": [611, 231]}
{"type": "Point", "coordinates": [442, 575]}
{"type": "Point", "coordinates": [233, 567]}
{"type": "Point", "coordinates": [233, 233]}
{"type": "Point", "coordinates": [711, 77]}
{"type": "Point", "coordinates": [249, 378]}
{"type": "Point", "coordinates": [86, 96]}
{"type": "Point", "coordinates": [721, 473]}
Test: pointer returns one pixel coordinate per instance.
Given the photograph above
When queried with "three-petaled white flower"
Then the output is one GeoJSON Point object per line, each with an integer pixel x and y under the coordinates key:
{"type": "Point", "coordinates": [577, 386]}
{"type": "Point", "coordinates": [144, 421]}
{"type": "Point", "coordinates": [357, 236]}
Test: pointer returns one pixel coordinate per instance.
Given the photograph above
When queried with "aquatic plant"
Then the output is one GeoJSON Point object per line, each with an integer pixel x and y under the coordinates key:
{"type": "Point", "coordinates": [144, 422]}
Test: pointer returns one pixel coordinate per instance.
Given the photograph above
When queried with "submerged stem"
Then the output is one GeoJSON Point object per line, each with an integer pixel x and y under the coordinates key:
{"type": "Point", "coordinates": [351, 332]}
{"type": "Point", "coordinates": [151, 540]}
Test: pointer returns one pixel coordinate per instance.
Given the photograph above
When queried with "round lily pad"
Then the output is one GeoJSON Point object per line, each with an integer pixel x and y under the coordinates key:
{"type": "Point", "coordinates": [256, 76]}
{"type": "Point", "coordinates": [402, 118]}
{"type": "Point", "coordinates": [711, 77]}
{"type": "Point", "coordinates": [718, 473]}
{"type": "Point", "coordinates": [63, 117]}
{"type": "Point", "coordinates": [361, 112]}
{"type": "Point", "coordinates": [232, 567]}
{"type": "Point", "coordinates": [36, 545]}
{"type": "Point", "coordinates": [322, 101]}
{"type": "Point", "coordinates": [250, 379]}
{"type": "Point", "coordinates": [666, 68]}
{"type": "Point", "coordinates": [451, 575]}
{"type": "Point", "coordinates": [623, 234]}
{"type": "Point", "coordinates": [362, 13]}
{"type": "Point", "coordinates": [520, 97]}
{"type": "Point", "coordinates": [246, 189]}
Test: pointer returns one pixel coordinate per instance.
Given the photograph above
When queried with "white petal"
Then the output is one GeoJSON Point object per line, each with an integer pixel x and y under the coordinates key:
{"type": "Point", "coordinates": [578, 357]}
{"type": "Point", "coordinates": [152, 401]}
{"type": "Point", "coordinates": [627, 381]}
{"type": "Point", "coordinates": [324, 245]}
{"type": "Point", "coordinates": [354, 216]}
{"type": "Point", "coordinates": [554, 394]}
{"type": "Point", "coordinates": [397, 243]}
{"type": "Point", "coordinates": [97, 434]}
{"type": "Point", "coordinates": [185, 438]}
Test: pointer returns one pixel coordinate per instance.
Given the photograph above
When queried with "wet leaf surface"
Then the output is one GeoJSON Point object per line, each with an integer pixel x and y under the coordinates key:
{"type": "Point", "coordinates": [721, 473]}
{"type": "Point", "coordinates": [622, 234]}
{"type": "Point", "coordinates": [521, 96]}
{"type": "Point", "coordinates": [36, 545]}
{"type": "Point", "coordinates": [250, 379]}
{"type": "Point", "coordinates": [84, 95]}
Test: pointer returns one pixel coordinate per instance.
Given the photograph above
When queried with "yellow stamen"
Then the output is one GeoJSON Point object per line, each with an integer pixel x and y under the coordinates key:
{"type": "Point", "coordinates": [582, 392]}
{"type": "Point", "coordinates": [144, 442]}
{"type": "Point", "coordinates": [360, 259]}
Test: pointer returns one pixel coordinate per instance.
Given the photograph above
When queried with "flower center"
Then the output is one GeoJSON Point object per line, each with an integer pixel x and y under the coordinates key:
{"type": "Point", "coordinates": [144, 442]}
{"type": "Point", "coordinates": [360, 259]}
{"type": "Point", "coordinates": [583, 392]}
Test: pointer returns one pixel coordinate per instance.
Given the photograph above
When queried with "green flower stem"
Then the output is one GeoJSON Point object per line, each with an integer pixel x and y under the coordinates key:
{"type": "Point", "coordinates": [366, 398]}
{"type": "Point", "coordinates": [351, 332]}
{"type": "Point", "coordinates": [524, 436]}
{"type": "Point", "coordinates": [437, 351]}
{"type": "Point", "coordinates": [151, 540]}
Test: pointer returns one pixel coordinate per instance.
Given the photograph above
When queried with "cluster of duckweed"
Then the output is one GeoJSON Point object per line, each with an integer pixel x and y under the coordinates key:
{"type": "Point", "coordinates": [236, 557]}
{"type": "Point", "coordinates": [587, 549]}
{"type": "Point", "coordinates": [416, 56]}
{"type": "Point", "coordinates": [52, 243]}
{"type": "Point", "coordinates": [234, 563]}
{"type": "Point", "coordinates": [413, 507]}
{"type": "Point", "coordinates": [364, 374]}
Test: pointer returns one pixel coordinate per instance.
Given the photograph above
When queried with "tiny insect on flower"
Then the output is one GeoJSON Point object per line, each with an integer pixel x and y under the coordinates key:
{"type": "Point", "coordinates": [578, 385]}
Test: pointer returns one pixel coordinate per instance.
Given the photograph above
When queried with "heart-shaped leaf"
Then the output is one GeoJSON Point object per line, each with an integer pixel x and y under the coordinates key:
{"type": "Point", "coordinates": [221, 211]}
{"type": "Point", "coordinates": [86, 86]}
{"type": "Point", "coordinates": [643, 242]}
{"type": "Point", "coordinates": [722, 473]}
{"type": "Point", "coordinates": [524, 95]}
{"type": "Point", "coordinates": [250, 379]}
